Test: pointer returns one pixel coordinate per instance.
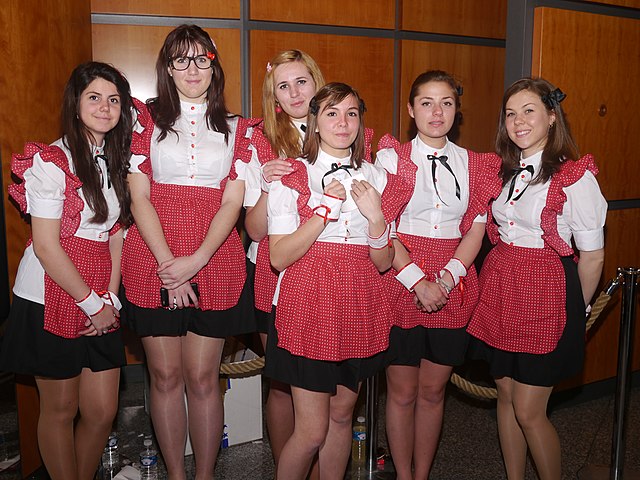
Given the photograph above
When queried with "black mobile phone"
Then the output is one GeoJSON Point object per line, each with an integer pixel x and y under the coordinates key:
{"type": "Point", "coordinates": [164, 295]}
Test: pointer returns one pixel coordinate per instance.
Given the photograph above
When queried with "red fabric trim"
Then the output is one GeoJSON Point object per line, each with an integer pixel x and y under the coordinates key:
{"type": "Point", "coordinates": [484, 186]}
{"type": "Point", "coordinates": [73, 204]}
{"type": "Point", "coordinates": [141, 141]}
{"type": "Point", "coordinates": [570, 172]}
{"type": "Point", "coordinates": [400, 186]}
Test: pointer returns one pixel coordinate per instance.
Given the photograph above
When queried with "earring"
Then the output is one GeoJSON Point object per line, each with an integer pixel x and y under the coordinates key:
{"type": "Point", "coordinates": [278, 108]}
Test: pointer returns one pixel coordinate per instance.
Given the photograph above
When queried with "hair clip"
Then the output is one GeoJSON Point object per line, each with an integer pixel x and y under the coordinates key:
{"type": "Point", "coordinates": [269, 67]}
{"type": "Point", "coordinates": [313, 107]}
{"type": "Point", "coordinates": [211, 55]}
{"type": "Point", "coordinates": [459, 90]}
{"type": "Point", "coordinates": [553, 98]}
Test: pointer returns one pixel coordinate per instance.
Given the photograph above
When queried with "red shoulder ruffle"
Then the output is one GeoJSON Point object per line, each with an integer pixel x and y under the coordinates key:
{"type": "Point", "coordinates": [298, 180]}
{"type": "Point", "coordinates": [484, 186]}
{"type": "Point", "coordinates": [570, 172]}
{"type": "Point", "coordinates": [141, 141]}
{"type": "Point", "coordinates": [73, 204]}
{"type": "Point", "coordinates": [401, 184]}
{"type": "Point", "coordinates": [241, 150]}
{"type": "Point", "coordinates": [262, 145]}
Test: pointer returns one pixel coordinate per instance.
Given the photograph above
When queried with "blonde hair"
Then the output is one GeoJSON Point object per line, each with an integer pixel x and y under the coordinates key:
{"type": "Point", "coordinates": [281, 133]}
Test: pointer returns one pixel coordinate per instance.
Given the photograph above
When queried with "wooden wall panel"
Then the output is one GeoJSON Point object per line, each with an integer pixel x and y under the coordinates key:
{"type": "Point", "coordinates": [480, 71]}
{"type": "Point", "coordinates": [134, 49]}
{"type": "Point", "coordinates": [456, 17]}
{"type": "Point", "coordinates": [174, 8]}
{"type": "Point", "coordinates": [353, 60]}
{"type": "Point", "coordinates": [619, 3]}
{"type": "Point", "coordinates": [353, 13]}
{"type": "Point", "coordinates": [602, 346]}
{"type": "Point", "coordinates": [31, 84]}
{"type": "Point", "coordinates": [594, 60]}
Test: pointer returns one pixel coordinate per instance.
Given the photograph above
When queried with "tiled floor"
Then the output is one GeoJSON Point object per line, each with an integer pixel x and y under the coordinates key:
{"type": "Point", "coordinates": [469, 448]}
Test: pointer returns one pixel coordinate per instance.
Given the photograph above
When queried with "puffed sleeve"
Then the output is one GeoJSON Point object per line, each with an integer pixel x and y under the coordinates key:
{"type": "Point", "coordinates": [585, 212]}
{"type": "Point", "coordinates": [387, 158]}
{"type": "Point", "coordinates": [282, 209]}
{"type": "Point", "coordinates": [45, 186]}
{"type": "Point", "coordinates": [252, 188]}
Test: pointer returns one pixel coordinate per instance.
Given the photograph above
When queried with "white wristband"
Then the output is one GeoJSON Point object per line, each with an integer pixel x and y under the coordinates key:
{"type": "Point", "coordinates": [111, 298]}
{"type": "Point", "coordinates": [91, 305]}
{"type": "Point", "coordinates": [456, 269]}
{"type": "Point", "coordinates": [383, 241]}
{"type": "Point", "coordinates": [410, 275]}
{"type": "Point", "coordinates": [333, 205]}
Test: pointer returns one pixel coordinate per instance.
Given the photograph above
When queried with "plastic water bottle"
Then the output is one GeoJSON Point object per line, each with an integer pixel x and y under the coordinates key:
{"type": "Point", "coordinates": [358, 445]}
{"type": "Point", "coordinates": [110, 457]}
{"type": "Point", "coordinates": [148, 461]}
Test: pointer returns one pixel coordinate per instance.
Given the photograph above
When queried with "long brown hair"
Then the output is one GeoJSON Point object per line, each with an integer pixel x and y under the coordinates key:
{"type": "Point", "coordinates": [165, 108]}
{"type": "Point", "coordinates": [328, 96]}
{"type": "Point", "coordinates": [560, 145]}
{"type": "Point", "coordinates": [117, 141]}
{"type": "Point", "coordinates": [282, 135]}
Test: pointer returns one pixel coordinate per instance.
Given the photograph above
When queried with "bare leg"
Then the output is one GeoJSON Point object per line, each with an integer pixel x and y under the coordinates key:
{"type": "Point", "coordinates": [201, 362]}
{"type": "Point", "coordinates": [512, 440]}
{"type": "Point", "coordinates": [311, 427]}
{"type": "Point", "coordinates": [168, 412]}
{"type": "Point", "coordinates": [402, 392]}
{"type": "Point", "coordinates": [279, 412]}
{"type": "Point", "coordinates": [429, 411]}
{"type": "Point", "coordinates": [334, 453]}
{"type": "Point", "coordinates": [530, 403]}
{"type": "Point", "coordinates": [98, 409]}
{"type": "Point", "coordinates": [58, 409]}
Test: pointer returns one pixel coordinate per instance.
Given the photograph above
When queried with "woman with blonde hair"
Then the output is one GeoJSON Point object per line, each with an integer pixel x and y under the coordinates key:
{"type": "Point", "coordinates": [292, 78]}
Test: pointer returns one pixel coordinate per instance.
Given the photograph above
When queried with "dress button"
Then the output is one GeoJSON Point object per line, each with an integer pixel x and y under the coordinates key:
{"type": "Point", "coordinates": [193, 122]}
{"type": "Point", "coordinates": [435, 227]}
{"type": "Point", "coordinates": [511, 223]}
{"type": "Point", "coordinates": [512, 202]}
{"type": "Point", "coordinates": [523, 164]}
{"type": "Point", "coordinates": [193, 145]}
{"type": "Point", "coordinates": [193, 134]}
{"type": "Point", "coordinates": [193, 108]}
{"type": "Point", "coordinates": [521, 176]}
{"type": "Point", "coordinates": [437, 205]}
{"type": "Point", "coordinates": [517, 190]}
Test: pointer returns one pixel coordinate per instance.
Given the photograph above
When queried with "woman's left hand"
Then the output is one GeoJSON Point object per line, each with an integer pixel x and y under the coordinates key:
{"type": "Point", "coordinates": [177, 271]}
{"type": "Point", "coordinates": [367, 199]}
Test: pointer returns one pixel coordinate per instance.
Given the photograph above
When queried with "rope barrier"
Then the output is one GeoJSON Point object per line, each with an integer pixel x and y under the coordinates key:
{"type": "Point", "coordinates": [479, 391]}
{"type": "Point", "coordinates": [490, 393]}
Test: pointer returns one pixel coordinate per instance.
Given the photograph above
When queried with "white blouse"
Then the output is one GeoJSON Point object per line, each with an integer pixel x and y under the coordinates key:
{"type": "Point", "coordinates": [351, 227]}
{"type": "Point", "coordinates": [582, 217]}
{"type": "Point", "coordinates": [252, 184]}
{"type": "Point", "coordinates": [45, 184]}
{"type": "Point", "coordinates": [428, 214]}
{"type": "Point", "coordinates": [196, 156]}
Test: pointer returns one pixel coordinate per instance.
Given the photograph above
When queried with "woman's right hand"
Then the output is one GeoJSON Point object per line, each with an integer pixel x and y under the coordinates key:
{"type": "Point", "coordinates": [333, 198]}
{"type": "Point", "coordinates": [430, 296]}
{"type": "Point", "coordinates": [276, 169]}
{"type": "Point", "coordinates": [179, 297]}
{"type": "Point", "coordinates": [100, 324]}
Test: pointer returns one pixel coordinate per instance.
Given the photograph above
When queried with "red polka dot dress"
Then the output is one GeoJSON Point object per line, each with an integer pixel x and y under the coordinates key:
{"type": "Point", "coordinates": [530, 319]}
{"type": "Point", "coordinates": [446, 199]}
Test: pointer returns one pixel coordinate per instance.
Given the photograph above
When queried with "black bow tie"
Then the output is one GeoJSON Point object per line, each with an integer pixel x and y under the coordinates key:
{"type": "Point", "coordinates": [335, 168]}
{"type": "Point", "coordinates": [512, 185]}
{"type": "Point", "coordinates": [443, 160]}
{"type": "Point", "coordinates": [106, 161]}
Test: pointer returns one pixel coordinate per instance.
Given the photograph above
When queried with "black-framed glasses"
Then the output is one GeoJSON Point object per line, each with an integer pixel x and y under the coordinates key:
{"type": "Point", "coordinates": [182, 63]}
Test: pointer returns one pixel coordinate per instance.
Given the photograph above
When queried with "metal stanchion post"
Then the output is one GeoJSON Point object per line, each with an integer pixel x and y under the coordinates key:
{"type": "Point", "coordinates": [628, 276]}
{"type": "Point", "coordinates": [625, 351]}
{"type": "Point", "coordinates": [371, 412]}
